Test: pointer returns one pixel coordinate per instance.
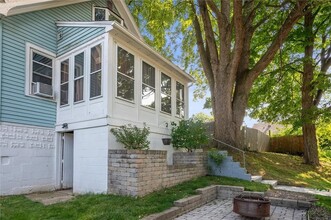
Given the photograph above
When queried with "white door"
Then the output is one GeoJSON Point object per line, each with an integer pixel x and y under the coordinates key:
{"type": "Point", "coordinates": [67, 160]}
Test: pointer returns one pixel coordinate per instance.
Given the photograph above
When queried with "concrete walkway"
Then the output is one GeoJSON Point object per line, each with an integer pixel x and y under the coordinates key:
{"type": "Point", "coordinates": [303, 190]}
{"type": "Point", "coordinates": [222, 209]}
{"type": "Point", "coordinates": [50, 198]}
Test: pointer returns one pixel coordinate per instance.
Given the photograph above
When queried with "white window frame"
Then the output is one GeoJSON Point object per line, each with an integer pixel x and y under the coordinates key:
{"type": "Point", "coordinates": [89, 73]}
{"type": "Point", "coordinates": [131, 78]}
{"type": "Point", "coordinates": [169, 95]}
{"type": "Point", "coordinates": [144, 84]}
{"type": "Point", "coordinates": [181, 100]}
{"type": "Point", "coordinates": [29, 50]}
{"type": "Point", "coordinates": [107, 14]}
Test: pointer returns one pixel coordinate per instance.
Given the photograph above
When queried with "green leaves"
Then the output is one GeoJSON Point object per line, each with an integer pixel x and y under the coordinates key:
{"type": "Point", "coordinates": [132, 137]}
{"type": "Point", "coordinates": [189, 134]}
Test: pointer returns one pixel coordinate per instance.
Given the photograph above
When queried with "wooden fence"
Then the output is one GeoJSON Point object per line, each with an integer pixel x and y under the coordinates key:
{"type": "Point", "coordinates": [252, 139]}
{"type": "Point", "coordinates": [255, 140]}
{"type": "Point", "coordinates": [287, 144]}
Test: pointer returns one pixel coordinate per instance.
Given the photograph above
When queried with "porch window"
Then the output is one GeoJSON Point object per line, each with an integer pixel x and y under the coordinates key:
{"type": "Point", "coordinates": [64, 96]}
{"type": "Point", "coordinates": [148, 86]}
{"type": "Point", "coordinates": [125, 75]}
{"type": "Point", "coordinates": [79, 78]}
{"type": "Point", "coordinates": [95, 72]}
{"type": "Point", "coordinates": [180, 100]}
{"type": "Point", "coordinates": [165, 93]}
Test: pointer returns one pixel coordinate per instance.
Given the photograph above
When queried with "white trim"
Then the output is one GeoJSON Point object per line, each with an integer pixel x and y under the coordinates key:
{"type": "Point", "coordinates": [14, 8]}
{"type": "Point", "coordinates": [134, 74]}
{"type": "Point", "coordinates": [85, 23]}
{"type": "Point", "coordinates": [81, 48]}
{"type": "Point", "coordinates": [29, 49]}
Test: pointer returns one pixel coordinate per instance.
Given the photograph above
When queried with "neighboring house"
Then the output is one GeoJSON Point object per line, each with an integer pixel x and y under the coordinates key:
{"type": "Point", "coordinates": [268, 128]}
{"type": "Point", "coordinates": [69, 72]}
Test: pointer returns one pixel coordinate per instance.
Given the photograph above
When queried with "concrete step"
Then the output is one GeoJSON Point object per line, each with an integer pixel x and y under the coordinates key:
{"type": "Point", "coordinates": [256, 178]}
{"type": "Point", "coordinates": [270, 182]}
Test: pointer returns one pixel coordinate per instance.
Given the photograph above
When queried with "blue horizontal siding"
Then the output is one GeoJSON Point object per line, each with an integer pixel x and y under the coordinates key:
{"type": "Point", "coordinates": [38, 28]}
{"type": "Point", "coordinates": [73, 37]}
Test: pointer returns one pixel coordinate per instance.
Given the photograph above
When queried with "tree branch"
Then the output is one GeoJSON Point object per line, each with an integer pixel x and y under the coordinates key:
{"type": "Point", "coordinates": [209, 33]}
{"type": "Point", "coordinates": [204, 58]}
{"type": "Point", "coordinates": [295, 14]}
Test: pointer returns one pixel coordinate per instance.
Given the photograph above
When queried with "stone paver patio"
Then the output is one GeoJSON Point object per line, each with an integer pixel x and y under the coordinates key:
{"type": "Point", "coordinates": [222, 209]}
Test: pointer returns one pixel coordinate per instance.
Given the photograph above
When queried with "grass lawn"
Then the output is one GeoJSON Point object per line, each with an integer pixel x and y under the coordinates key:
{"type": "Point", "coordinates": [289, 170]}
{"type": "Point", "coordinates": [110, 206]}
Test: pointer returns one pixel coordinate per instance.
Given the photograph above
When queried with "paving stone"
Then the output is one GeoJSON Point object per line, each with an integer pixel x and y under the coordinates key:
{"type": "Point", "coordinates": [222, 209]}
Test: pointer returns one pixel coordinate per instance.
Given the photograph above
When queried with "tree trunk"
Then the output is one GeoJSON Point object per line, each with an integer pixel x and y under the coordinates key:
{"type": "Point", "coordinates": [308, 128]}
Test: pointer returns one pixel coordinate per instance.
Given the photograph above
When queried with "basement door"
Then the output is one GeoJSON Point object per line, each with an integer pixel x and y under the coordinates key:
{"type": "Point", "coordinates": [67, 160]}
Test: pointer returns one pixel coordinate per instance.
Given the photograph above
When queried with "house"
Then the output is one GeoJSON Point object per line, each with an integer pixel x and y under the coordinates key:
{"type": "Point", "coordinates": [69, 72]}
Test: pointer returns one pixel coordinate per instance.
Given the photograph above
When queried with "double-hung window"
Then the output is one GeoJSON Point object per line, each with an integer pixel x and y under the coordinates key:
{"type": "Point", "coordinates": [148, 86]}
{"type": "Point", "coordinates": [95, 71]}
{"type": "Point", "coordinates": [40, 68]}
{"type": "Point", "coordinates": [165, 93]}
{"type": "Point", "coordinates": [125, 75]}
{"type": "Point", "coordinates": [180, 100]}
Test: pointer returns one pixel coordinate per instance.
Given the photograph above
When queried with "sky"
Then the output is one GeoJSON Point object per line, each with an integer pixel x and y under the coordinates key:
{"type": "Point", "coordinates": [197, 106]}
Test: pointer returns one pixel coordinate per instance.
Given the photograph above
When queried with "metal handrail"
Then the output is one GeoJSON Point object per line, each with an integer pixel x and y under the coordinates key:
{"type": "Point", "coordinates": [243, 152]}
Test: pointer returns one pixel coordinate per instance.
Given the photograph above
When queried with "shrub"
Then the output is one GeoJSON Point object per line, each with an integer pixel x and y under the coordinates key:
{"type": "Point", "coordinates": [190, 134]}
{"type": "Point", "coordinates": [216, 156]}
{"type": "Point", "coordinates": [132, 137]}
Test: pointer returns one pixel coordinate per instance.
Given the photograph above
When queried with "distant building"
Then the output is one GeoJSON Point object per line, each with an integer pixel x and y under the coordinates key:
{"type": "Point", "coordinates": [268, 128]}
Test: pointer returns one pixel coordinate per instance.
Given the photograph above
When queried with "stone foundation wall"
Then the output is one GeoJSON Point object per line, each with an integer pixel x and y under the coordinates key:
{"type": "Point", "coordinates": [137, 173]}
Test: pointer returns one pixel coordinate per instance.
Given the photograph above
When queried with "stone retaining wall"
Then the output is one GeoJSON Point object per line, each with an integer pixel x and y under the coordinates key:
{"type": "Point", "coordinates": [137, 173]}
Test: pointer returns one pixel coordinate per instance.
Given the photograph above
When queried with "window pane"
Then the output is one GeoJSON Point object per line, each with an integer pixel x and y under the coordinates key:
{"type": "Point", "coordinates": [41, 79]}
{"type": "Point", "coordinates": [41, 59]}
{"type": "Point", "coordinates": [79, 90]}
{"type": "Point", "coordinates": [64, 94]}
{"type": "Point", "coordinates": [42, 70]}
{"type": "Point", "coordinates": [148, 75]}
{"type": "Point", "coordinates": [179, 91]}
{"type": "Point", "coordinates": [64, 71]}
{"type": "Point", "coordinates": [64, 82]}
{"type": "Point", "coordinates": [96, 56]}
{"type": "Point", "coordinates": [166, 103]}
{"type": "Point", "coordinates": [125, 62]}
{"type": "Point", "coordinates": [165, 84]}
{"type": "Point", "coordinates": [100, 14]}
{"type": "Point", "coordinates": [148, 96]}
{"type": "Point", "coordinates": [125, 87]}
{"type": "Point", "coordinates": [95, 87]}
{"type": "Point", "coordinates": [79, 65]}
{"type": "Point", "coordinates": [180, 109]}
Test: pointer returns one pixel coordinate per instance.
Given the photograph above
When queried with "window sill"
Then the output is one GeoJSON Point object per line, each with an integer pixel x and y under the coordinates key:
{"type": "Point", "coordinates": [79, 102]}
{"type": "Point", "coordinates": [148, 108]}
{"type": "Point", "coordinates": [41, 98]}
{"type": "Point", "coordinates": [96, 97]}
{"type": "Point", "coordinates": [125, 100]}
{"type": "Point", "coordinates": [166, 113]}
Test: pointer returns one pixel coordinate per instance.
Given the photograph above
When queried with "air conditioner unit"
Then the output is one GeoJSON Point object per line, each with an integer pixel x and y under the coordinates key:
{"type": "Point", "coordinates": [41, 89]}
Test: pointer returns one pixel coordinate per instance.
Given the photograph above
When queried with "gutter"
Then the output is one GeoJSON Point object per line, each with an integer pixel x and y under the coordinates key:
{"type": "Point", "coordinates": [1, 31]}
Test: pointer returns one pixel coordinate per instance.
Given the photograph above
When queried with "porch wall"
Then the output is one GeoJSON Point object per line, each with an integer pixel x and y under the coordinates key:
{"type": "Point", "coordinates": [137, 173]}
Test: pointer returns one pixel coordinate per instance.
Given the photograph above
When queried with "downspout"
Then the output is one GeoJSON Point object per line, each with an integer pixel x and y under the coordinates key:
{"type": "Point", "coordinates": [1, 26]}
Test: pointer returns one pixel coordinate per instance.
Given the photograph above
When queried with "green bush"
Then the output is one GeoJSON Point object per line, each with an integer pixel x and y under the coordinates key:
{"type": "Point", "coordinates": [189, 134]}
{"type": "Point", "coordinates": [216, 156]}
{"type": "Point", "coordinates": [132, 137]}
